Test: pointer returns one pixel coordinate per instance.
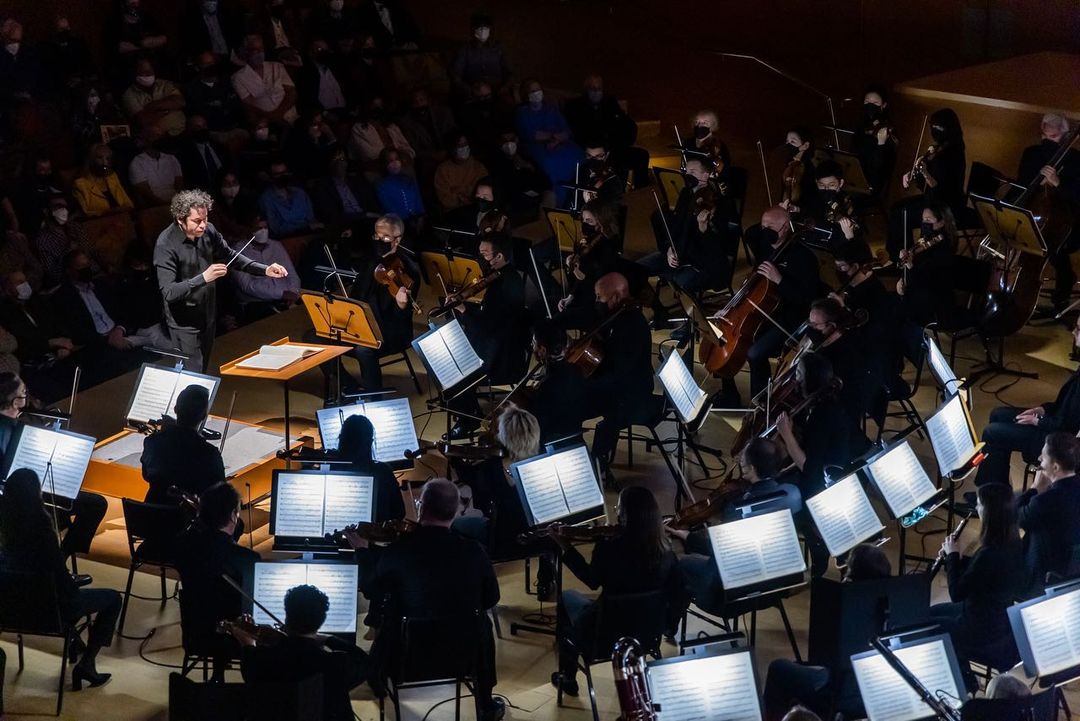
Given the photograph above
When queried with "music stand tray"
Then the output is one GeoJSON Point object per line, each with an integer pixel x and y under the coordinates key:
{"type": "Point", "coordinates": [671, 183]}
{"type": "Point", "coordinates": [855, 181]}
{"type": "Point", "coordinates": [1010, 225]}
{"type": "Point", "coordinates": [453, 269]}
{"type": "Point", "coordinates": [344, 320]}
{"type": "Point", "coordinates": [565, 226]}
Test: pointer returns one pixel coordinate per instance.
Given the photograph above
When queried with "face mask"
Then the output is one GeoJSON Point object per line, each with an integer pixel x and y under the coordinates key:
{"type": "Point", "coordinates": [230, 191]}
{"type": "Point", "coordinates": [60, 215]}
{"type": "Point", "coordinates": [938, 134]}
{"type": "Point", "coordinates": [23, 291]}
{"type": "Point", "coordinates": [482, 34]}
{"type": "Point", "coordinates": [383, 247]}
{"type": "Point", "coordinates": [262, 133]}
{"type": "Point", "coordinates": [691, 181]}
{"type": "Point", "coordinates": [282, 180]}
{"type": "Point", "coordinates": [872, 110]}
{"type": "Point", "coordinates": [589, 231]}
{"type": "Point", "coordinates": [484, 205]}
{"type": "Point", "coordinates": [146, 81]}
{"type": "Point", "coordinates": [201, 136]}
{"type": "Point", "coordinates": [791, 152]}
{"type": "Point", "coordinates": [210, 7]}
{"type": "Point", "coordinates": [509, 148]}
{"type": "Point", "coordinates": [769, 235]}
{"type": "Point", "coordinates": [816, 335]}
{"type": "Point", "coordinates": [463, 152]}
{"type": "Point", "coordinates": [393, 167]}
{"type": "Point", "coordinates": [827, 196]}
{"type": "Point", "coordinates": [701, 132]}
{"type": "Point", "coordinates": [336, 5]}
{"type": "Point", "coordinates": [256, 58]}
{"type": "Point", "coordinates": [927, 230]}
{"type": "Point", "coordinates": [536, 97]}
{"type": "Point", "coordinates": [261, 237]}
{"type": "Point", "coordinates": [92, 102]}
{"type": "Point", "coordinates": [12, 48]}
{"type": "Point", "coordinates": [84, 275]}
{"type": "Point", "coordinates": [595, 96]}
{"type": "Point", "coordinates": [601, 309]}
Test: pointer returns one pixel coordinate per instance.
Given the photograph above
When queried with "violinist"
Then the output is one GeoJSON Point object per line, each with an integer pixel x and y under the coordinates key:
{"type": "Point", "coordinates": [620, 390]}
{"type": "Point", "coordinates": [862, 292]}
{"type": "Point", "coordinates": [598, 114]}
{"type": "Point", "coordinates": [484, 213]}
{"type": "Point", "coordinates": [793, 267]}
{"type": "Point", "coordinates": [874, 140]}
{"type": "Point", "coordinates": [298, 651]}
{"type": "Point", "coordinates": [598, 172]}
{"type": "Point", "coordinates": [829, 327]}
{"type": "Point", "coordinates": [1063, 184]}
{"type": "Point", "coordinates": [798, 178]}
{"type": "Point", "coordinates": [433, 572]}
{"type": "Point", "coordinates": [561, 382]}
{"type": "Point", "coordinates": [204, 552]}
{"type": "Point", "coordinates": [497, 328]}
{"type": "Point", "coordinates": [707, 142]}
{"type": "Point", "coordinates": [356, 444]}
{"type": "Point", "coordinates": [938, 173]}
{"type": "Point", "coordinates": [393, 312]}
{"type": "Point", "coordinates": [638, 560]}
{"type": "Point", "coordinates": [596, 253]}
{"type": "Point", "coordinates": [177, 455]}
{"type": "Point", "coordinates": [700, 184]}
{"type": "Point", "coordinates": [830, 208]}
{"type": "Point", "coordinates": [928, 282]}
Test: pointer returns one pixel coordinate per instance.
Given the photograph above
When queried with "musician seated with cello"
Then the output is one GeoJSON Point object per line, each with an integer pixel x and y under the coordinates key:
{"type": "Point", "coordinates": [298, 651]}
{"type": "Point", "coordinates": [393, 307]}
{"type": "Point", "coordinates": [177, 455]}
{"type": "Point", "coordinates": [638, 559]}
{"type": "Point", "coordinates": [550, 401]}
{"type": "Point", "coordinates": [762, 462]}
{"type": "Point", "coordinates": [356, 444]}
{"type": "Point", "coordinates": [433, 572]}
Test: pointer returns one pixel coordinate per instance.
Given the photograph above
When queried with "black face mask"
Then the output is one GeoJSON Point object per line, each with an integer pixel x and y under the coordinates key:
{"type": "Point", "coordinates": [816, 336]}
{"type": "Point", "coordinates": [383, 247]}
{"type": "Point", "coordinates": [282, 181]}
{"type": "Point", "coordinates": [601, 309]}
{"type": "Point", "coordinates": [939, 135]}
{"type": "Point", "coordinates": [701, 132]}
{"type": "Point", "coordinates": [927, 230]}
{"type": "Point", "coordinates": [872, 111]}
{"type": "Point", "coordinates": [484, 205]}
{"type": "Point", "coordinates": [827, 196]}
{"type": "Point", "coordinates": [691, 181]}
{"type": "Point", "coordinates": [84, 275]}
{"type": "Point", "coordinates": [769, 235]}
{"type": "Point", "coordinates": [791, 151]}
{"type": "Point", "coordinates": [589, 231]}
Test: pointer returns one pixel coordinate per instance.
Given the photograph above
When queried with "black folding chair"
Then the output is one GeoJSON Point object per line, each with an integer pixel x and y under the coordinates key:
{"type": "Point", "coordinates": [152, 530]}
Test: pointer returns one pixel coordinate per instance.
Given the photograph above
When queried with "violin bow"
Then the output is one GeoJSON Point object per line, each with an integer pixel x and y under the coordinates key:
{"type": "Point", "coordinates": [765, 172]}
{"type": "Point", "coordinates": [667, 230]}
{"type": "Point", "coordinates": [251, 598]}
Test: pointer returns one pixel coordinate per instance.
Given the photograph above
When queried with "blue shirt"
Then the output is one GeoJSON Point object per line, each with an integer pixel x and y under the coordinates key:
{"type": "Point", "coordinates": [287, 215]}
{"type": "Point", "coordinates": [400, 195]}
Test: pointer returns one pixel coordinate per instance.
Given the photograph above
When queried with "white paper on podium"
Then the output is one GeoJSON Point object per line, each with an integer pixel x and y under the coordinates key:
{"type": "Point", "coordinates": [58, 457]}
{"type": "Point", "coordinates": [885, 695]}
{"type": "Point", "coordinates": [1052, 628]}
{"type": "Point", "coordinates": [127, 449]}
{"type": "Point", "coordinates": [337, 580]}
{"type": "Point", "coordinates": [940, 367]}
{"type": "Point", "coordinates": [951, 435]}
{"type": "Point", "coordinates": [706, 687]}
{"type": "Point", "coordinates": [684, 393]}
{"type": "Point", "coordinates": [276, 357]}
{"type": "Point", "coordinates": [559, 484]}
{"type": "Point", "coordinates": [843, 515]}
{"type": "Point", "coordinates": [248, 445]}
{"type": "Point", "coordinates": [395, 432]}
{"type": "Point", "coordinates": [757, 549]}
{"type": "Point", "coordinates": [309, 505]}
{"type": "Point", "coordinates": [901, 479]}
{"type": "Point", "coordinates": [155, 396]}
{"type": "Point", "coordinates": [449, 354]}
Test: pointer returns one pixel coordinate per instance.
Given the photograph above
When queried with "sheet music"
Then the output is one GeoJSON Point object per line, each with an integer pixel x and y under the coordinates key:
{"type": "Point", "coordinates": [1052, 628]}
{"type": "Point", "coordinates": [560, 484]}
{"type": "Point", "coordinates": [438, 358]}
{"type": "Point", "coordinates": [940, 367]}
{"type": "Point", "coordinates": [158, 388]}
{"type": "Point", "coordinates": [348, 500]}
{"type": "Point", "coordinates": [309, 505]}
{"type": "Point", "coordinates": [757, 549]}
{"type": "Point", "coordinates": [247, 445]}
{"type": "Point", "coordinates": [901, 479]}
{"type": "Point", "coordinates": [681, 388]}
{"type": "Point", "coordinates": [127, 450]}
{"type": "Point", "coordinates": [337, 580]}
{"type": "Point", "coordinates": [843, 515]}
{"type": "Point", "coordinates": [706, 687]}
{"type": "Point", "coordinates": [578, 478]}
{"type": "Point", "coordinates": [69, 453]}
{"type": "Point", "coordinates": [276, 357]}
{"type": "Point", "coordinates": [951, 436]}
{"type": "Point", "coordinates": [395, 431]}
{"type": "Point", "coordinates": [885, 695]}
{"type": "Point", "coordinates": [462, 351]}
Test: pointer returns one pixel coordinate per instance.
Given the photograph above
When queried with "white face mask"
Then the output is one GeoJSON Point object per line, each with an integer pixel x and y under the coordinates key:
{"type": "Point", "coordinates": [536, 97]}
{"type": "Point", "coordinates": [337, 5]}
{"type": "Point", "coordinates": [509, 148]}
{"type": "Point", "coordinates": [23, 291]}
{"type": "Point", "coordinates": [146, 81]}
{"type": "Point", "coordinates": [262, 236]}
{"type": "Point", "coordinates": [230, 191]}
{"type": "Point", "coordinates": [60, 215]}
{"type": "Point", "coordinates": [482, 34]}
{"type": "Point", "coordinates": [12, 48]}
{"type": "Point", "coordinates": [262, 133]}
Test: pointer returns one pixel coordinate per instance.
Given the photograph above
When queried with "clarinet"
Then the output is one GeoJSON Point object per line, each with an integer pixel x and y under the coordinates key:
{"type": "Point", "coordinates": [940, 560]}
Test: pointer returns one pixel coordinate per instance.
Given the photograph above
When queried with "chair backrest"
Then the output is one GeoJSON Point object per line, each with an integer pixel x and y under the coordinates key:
{"type": "Point", "coordinates": [740, 179]}
{"type": "Point", "coordinates": [29, 603]}
{"type": "Point", "coordinates": [424, 641]}
{"type": "Point", "coordinates": [193, 701]}
{"type": "Point", "coordinates": [1037, 707]}
{"type": "Point", "coordinates": [638, 615]}
{"type": "Point", "coordinates": [154, 522]}
{"type": "Point", "coordinates": [671, 183]}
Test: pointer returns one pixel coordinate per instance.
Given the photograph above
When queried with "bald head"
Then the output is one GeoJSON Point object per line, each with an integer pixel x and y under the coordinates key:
{"type": "Point", "coordinates": [612, 290]}
{"type": "Point", "coordinates": [778, 219]}
{"type": "Point", "coordinates": [439, 501]}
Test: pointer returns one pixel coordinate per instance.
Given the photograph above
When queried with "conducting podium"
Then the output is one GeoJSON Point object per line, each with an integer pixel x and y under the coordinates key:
{"type": "Point", "coordinates": [282, 361]}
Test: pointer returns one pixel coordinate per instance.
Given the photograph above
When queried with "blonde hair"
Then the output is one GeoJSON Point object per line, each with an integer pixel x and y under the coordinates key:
{"type": "Point", "coordinates": [710, 117]}
{"type": "Point", "coordinates": [518, 432]}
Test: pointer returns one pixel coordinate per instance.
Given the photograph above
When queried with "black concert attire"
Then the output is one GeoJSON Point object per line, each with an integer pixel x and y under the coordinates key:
{"type": "Point", "coordinates": [1003, 435]}
{"type": "Point", "coordinates": [884, 341]}
{"type": "Point", "coordinates": [395, 322]}
{"type": "Point", "coordinates": [877, 159]}
{"type": "Point", "coordinates": [825, 234]}
{"type": "Point", "coordinates": [831, 436]}
{"type": "Point", "coordinates": [602, 257]}
{"type": "Point", "coordinates": [203, 555]}
{"type": "Point", "coordinates": [427, 573]}
{"type": "Point", "coordinates": [389, 504]}
{"type": "Point", "coordinates": [190, 307]}
{"type": "Point", "coordinates": [47, 377]}
{"type": "Point", "coordinates": [617, 567]}
{"type": "Point", "coordinates": [620, 389]}
{"type": "Point", "coordinates": [859, 370]}
{"type": "Point", "coordinates": [929, 294]}
{"type": "Point", "coordinates": [607, 123]}
{"type": "Point", "coordinates": [982, 587]}
{"type": "Point", "coordinates": [1051, 524]}
{"type": "Point", "coordinates": [947, 167]}
{"type": "Point", "coordinates": [1065, 199]}
{"type": "Point", "coordinates": [553, 403]}
{"type": "Point", "coordinates": [798, 288]}
{"type": "Point", "coordinates": [179, 456]}
{"type": "Point", "coordinates": [704, 259]}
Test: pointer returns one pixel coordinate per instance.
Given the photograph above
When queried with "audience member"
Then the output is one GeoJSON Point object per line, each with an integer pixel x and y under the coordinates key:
{"type": "Point", "coordinates": [457, 176]}
{"type": "Point", "coordinates": [397, 192]}
{"type": "Point", "coordinates": [310, 145]}
{"type": "Point", "coordinates": [424, 126]}
{"type": "Point", "coordinates": [152, 102]}
{"type": "Point", "coordinates": [22, 76]}
{"type": "Point", "coordinates": [213, 97]}
{"type": "Point", "coordinates": [375, 133]}
{"type": "Point", "coordinates": [96, 118]}
{"type": "Point", "coordinates": [596, 117]}
{"type": "Point", "coordinates": [320, 85]}
{"type": "Point", "coordinates": [285, 206]}
{"type": "Point", "coordinates": [264, 86]}
{"type": "Point", "coordinates": [202, 160]}
{"type": "Point", "coordinates": [525, 189]}
{"type": "Point", "coordinates": [154, 176]}
{"type": "Point", "coordinates": [335, 23]}
{"type": "Point", "coordinates": [234, 209]}
{"type": "Point", "coordinates": [391, 24]}
{"type": "Point", "coordinates": [43, 349]}
{"type": "Point", "coordinates": [264, 292]}
{"type": "Point", "coordinates": [342, 199]}
{"type": "Point", "coordinates": [66, 55]}
{"type": "Point", "coordinates": [98, 189]}
{"type": "Point", "coordinates": [211, 26]}
{"type": "Point", "coordinates": [39, 185]}
{"type": "Point", "coordinates": [135, 34]}
{"type": "Point", "coordinates": [480, 59]}
{"type": "Point", "coordinates": [16, 254]}
{"type": "Point", "coordinates": [547, 138]}
{"type": "Point", "coordinates": [280, 26]}
{"type": "Point", "coordinates": [59, 234]}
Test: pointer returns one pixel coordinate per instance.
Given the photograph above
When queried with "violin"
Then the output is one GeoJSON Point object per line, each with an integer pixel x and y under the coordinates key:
{"type": "Point", "coordinates": [263, 634]}
{"type": "Point", "coordinates": [793, 178]}
{"type": "Point", "coordinates": [788, 399]}
{"type": "Point", "coordinates": [697, 514]}
{"type": "Point", "coordinates": [478, 452]}
{"type": "Point", "coordinates": [375, 531]}
{"type": "Point", "coordinates": [587, 352]}
{"type": "Point", "coordinates": [472, 288]}
{"type": "Point", "coordinates": [839, 208]}
{"type": "Point", "coordinates": [571, 534]}
{"type": "Point", "coordinates": [392, 274]}
{"type": "Point", "coordinates": [918, 169]}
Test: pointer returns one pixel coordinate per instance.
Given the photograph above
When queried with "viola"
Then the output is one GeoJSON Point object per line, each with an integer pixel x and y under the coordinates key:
{"type": "Point", "coordinates": [839, 208]}
{"type": "Point", "coordinates": [471, 289]}
{"type": "Point", "coordinates": [376, 531]}
{"type": "Point", "coordinates": [697, 514]}
{"type": "Point", "coordinates": [571, 534]}
{"type": "Point", "coordinates": [477, 452]}
{"type": "Point", "coordinates": [793, 178]}
{"type": "Point", "coordinates": [391, 273]}
{"type": "Point", "coordinates": [264, 635]}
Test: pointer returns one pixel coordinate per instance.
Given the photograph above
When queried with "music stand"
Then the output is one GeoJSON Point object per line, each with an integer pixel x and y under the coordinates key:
{"type": "Point", "coordinates": [307, 506]}
{"type": "Point", "coordinates": [1046, 629]}
{"type": "Point", "coordinates": [452, 269]}
{"type": "Point", "coordinates": [345, 321]}
{"type": "Point", "coordinates": [672, 183]}
{"type": "Point", "coordinates": [451, 363]}
{"type": "Point", "coordinates": [855, 181]}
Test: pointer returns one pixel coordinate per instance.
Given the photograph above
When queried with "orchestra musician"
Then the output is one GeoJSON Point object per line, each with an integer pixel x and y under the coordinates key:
{"type": "Point", "coordinates": [798, 180]}
{"type": "Point", "coordinates": [707, 142]}
{"type": "Point", "coordinates": [928, 289]}
{"type": "Point", "coordinates": [433, 572]}
{"type": "Point", "coordinates": [87, 510]}
{"type": "Point", "coordinates": [560, 381]}
{"type": "Point", "coordinates": [598, 172]}
{"type": "Point", "coordinates": [699, 184]}
{"type": "Point", "coordinates": [858, 370]}
{"type": "Point", "coordinates": [938, 173]}
{"type": "Point", "coordinates": [1063, 184]}
{"type": "Point", "coordinates": [620, 389]}
{"type": "Point", "coordinates": [204, 552]}
{"type": "Point", "coordinates": [393, 312]}
{"type": "Point", "coordinates": [1013, 429]}
{"type": "Point", "coordinates": [1049, 513]}
{"type": "Point", "coordinates": [830, 208]}
{"type": "Point", "coordinates": [874, 140]}
{"type": "Point", "coordinates": [638, 560]}
{"type": "Point", "coordinates": [356, 444]}
{"type": "Point", "coordinates": [177, 455]}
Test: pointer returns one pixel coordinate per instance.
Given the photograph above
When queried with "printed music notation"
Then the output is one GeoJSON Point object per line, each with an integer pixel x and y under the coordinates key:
{"type": "Point", "coordinates": [448, 354]}
{"type": "Point", "coordinates": [843, 515]}
{"type": "Point", "coordinates": [757, 549]}
{"type": "Point", "coordinates": [337, 580]}
{"type": "Point", "coordinates": [59, 458]}
{"type": "Point", "coordinates": [559, 484]}
{"type": "Point", "coordinates": [157, 389]}
{"type": "Point", "coordinates": [309, 505]}
{"type": "Point", "coordinates": [901, 479]}
{"type": "Point", "coordinates": [693, 688]}
{"type": "Point", "coordinates": [684, 393]}
{"type": "Point", "coordinates": [395, 432]}
{"type": "Point", "coordinates": [1052, 628]}
{"type": "Point", "coordinates": [885, 695]}
{"type": "Point", "coordinates": [951, 436]}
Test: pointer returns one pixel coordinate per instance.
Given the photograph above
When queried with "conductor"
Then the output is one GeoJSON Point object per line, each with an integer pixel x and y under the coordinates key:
{"type": "Point", "coordinates": [189, 256]}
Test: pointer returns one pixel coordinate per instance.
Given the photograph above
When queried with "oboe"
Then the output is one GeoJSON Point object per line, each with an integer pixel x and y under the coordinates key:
{"type": "Point", "coordinates": [940, 560]}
